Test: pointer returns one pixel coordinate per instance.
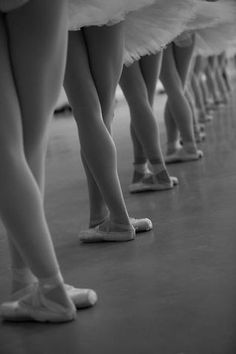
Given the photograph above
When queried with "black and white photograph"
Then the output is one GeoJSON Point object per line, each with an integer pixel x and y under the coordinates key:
{"type": "Point", "coordinates": [117, 176]}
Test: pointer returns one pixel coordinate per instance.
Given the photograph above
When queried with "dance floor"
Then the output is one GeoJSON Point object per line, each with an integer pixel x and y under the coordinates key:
{"type": "Point", "coordinates": [172, 290]}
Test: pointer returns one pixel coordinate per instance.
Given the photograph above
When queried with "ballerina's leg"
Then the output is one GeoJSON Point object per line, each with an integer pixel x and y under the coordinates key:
{"type": "Point", "coordinates": [177, 106]}
{"type": "Point", "coordinates": [150, 69]}
{"type": "Point", "coordinates": [38, 93]}
{"type": "Point", "coordinates": [138, 87]}
{"type": "Point", "coordinates": [83, 90]}
{"type": "Point", "coordinates": [25, 219]}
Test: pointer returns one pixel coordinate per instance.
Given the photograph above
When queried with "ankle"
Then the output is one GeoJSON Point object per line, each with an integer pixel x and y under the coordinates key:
{"type": "Point", "coordinates": [116, 225]}
{"type": "Point", "coordinates": [163, 176]}
{"type": "Point", "coordinates": [52, 288]}
{"type": "Point", "coordinates": [172, 146]}
{"type": "Point", "coordinates": [141, 168]}
{"type": "Point", "coordinates": [95, 221]}
{"type": "Point", "coordinates": [137, 176]}
{"type": "Point", "coordinates": [21, 278]}
{"type": "Point", "coordinates": [57, 294]}
{"type": "Point", "coordinates": [47, 283]}
{"type": "Point", "coordinates": [158, 168]}
{"type": "Point", "coordinates": [190, 147]}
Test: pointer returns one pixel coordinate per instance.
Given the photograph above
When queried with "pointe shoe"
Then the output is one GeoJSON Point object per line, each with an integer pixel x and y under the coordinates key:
{"type": "Point", "coordinates": [141, 225]}
{"type": "Point", "coordinates": [151, 183]}
{"type": "Point", "coordinates": [36, 307]}
{"type": "Point", "coordinates": [82, 298]}
{"type": "Point", "coordinates": [97, 234]}
{"type": "Point", "coordinates": [181, 155]}
{"type": "Point", "coordinates": [137, 178]}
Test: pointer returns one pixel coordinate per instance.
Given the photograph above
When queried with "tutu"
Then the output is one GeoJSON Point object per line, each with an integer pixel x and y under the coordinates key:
{"type": "Point", "coordinates": [84, 13]}
{"type": "Point", "coordinates": [150, 30]}
{"type": "Point", "coordinates": [9, 5]}
{"type": "Point", "coordinates": [185, 39]}
{"type": "Point", "coordinates": [149, 24]}
{"type": "Point", "coordinates": [215, 40]}
{"type": "Point", "coordinates": [220, 35]}
{"type": "Point", "coordinates": [210, 14]}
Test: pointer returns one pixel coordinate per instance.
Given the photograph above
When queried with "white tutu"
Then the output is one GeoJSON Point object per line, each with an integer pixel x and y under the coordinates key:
{"type": "Point", "coordinates": [84, 13]}
{"type": "Point", "coordinates": [216, 40]}
{"type": "Point", "coordinates": [9, 5]}
{"type": "Point", "coordinates": [220, 35]}
{"type": "Point", "coordinates": [149, 30]}
{"type": "Point", "coordinates": [210, 14]}
{"type": "Point", "coordinates": [149, 24]}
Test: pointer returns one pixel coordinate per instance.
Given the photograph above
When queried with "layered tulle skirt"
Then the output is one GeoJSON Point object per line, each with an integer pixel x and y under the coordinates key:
{"type": "Point", "coordinates": [148, 25]}
{"type": "Point", "coordinates": [149, 30]}
{"type": "Point", "coordinates": [213, 41]}
{"type": "Point", "coordinates": [84, 13]}
{"type": "Point", "coordinates": [216, 30]}
{"type": "Point", "coordinates": [9, 5]}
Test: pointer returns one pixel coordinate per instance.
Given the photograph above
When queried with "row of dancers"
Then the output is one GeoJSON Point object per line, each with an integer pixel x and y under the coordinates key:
{"type": "Point", "coordinates": [37, 55]}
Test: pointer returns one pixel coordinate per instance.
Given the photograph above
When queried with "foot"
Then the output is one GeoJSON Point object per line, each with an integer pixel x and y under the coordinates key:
{"type": "Point", "coordinates": [139, 225]}
{"type": "Point", "coordinates": [173, 146]}
{"type": "Point", "coordinates": [137, 178]}
{"type": "Point", "coordinates": [108, 231]}
{"type": "Point", "coordinates": [183, 155]}
{"type": "Point", "coordinates": [40, 307]}
{"type": "Point", "coordinates": [158, 182]}
{"type": "Point", "coordinates": [82, 298]}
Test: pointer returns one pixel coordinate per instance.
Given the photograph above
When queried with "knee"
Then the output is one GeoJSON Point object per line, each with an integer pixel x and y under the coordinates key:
{"type": "Point", "coordinates": [11, 156]}
{"type": "Point", "coordinates": [176, 94]}
{"type": "Point", "coordinates": [35, 144]}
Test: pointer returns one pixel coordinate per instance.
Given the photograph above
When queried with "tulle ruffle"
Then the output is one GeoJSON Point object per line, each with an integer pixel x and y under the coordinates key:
{"type": "Point", "coordinates": [151, 24]}
{"type": "Point", "coordinates": [9, 5]}
{"type": "Point", "coordinates": [221, 36]}
{"type": "Point", "coordinates": [216, 40]}
{"type": "Point", "coordinates": [149, 30]}
{"type": "Point", "coordinates": [84, 13]}
{"type": "Point", "coordinates": [211, 14]}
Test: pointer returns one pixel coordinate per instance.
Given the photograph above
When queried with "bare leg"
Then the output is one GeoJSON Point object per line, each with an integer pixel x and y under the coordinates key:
{"type": "Point", "coordinates": [213, 88]}
{"type": "Point", "coordinates": [105, 56]}
{"type": "Point", "coordinates": [138, 83]}
{"type": "Point", "coordinates": [198, 97]}
{"type": "Point", "coordinates": [81, 84]}
{"type": "Point", "coordinates": [174, 72]}
{"type": "Point", "coordinates": [189, 96]}
{"type": "Point", "coordinates": [36, 97]}
{"type": "Point", "coordinates": [144, 123]}
{"type": "Point", "coordinates": [220, 81]}
{"type": "Point", "coordinates": [185, 66]}
{"type": "Point", "coordinates": [150, 66]}
{"type": "Point", "coordinates": [223, 63]}
{"type": "Point", "coordinates": [19, 35]}
{"type": "Point", "coordinates": [150, 69]}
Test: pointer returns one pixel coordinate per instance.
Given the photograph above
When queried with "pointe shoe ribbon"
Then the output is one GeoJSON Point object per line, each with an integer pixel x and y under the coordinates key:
{"type": "Point", "coordinates": [36, 307]}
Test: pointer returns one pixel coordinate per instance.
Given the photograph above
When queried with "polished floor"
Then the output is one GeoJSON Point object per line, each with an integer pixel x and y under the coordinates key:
{"type": "Point", "coordinates": [172, 290]}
